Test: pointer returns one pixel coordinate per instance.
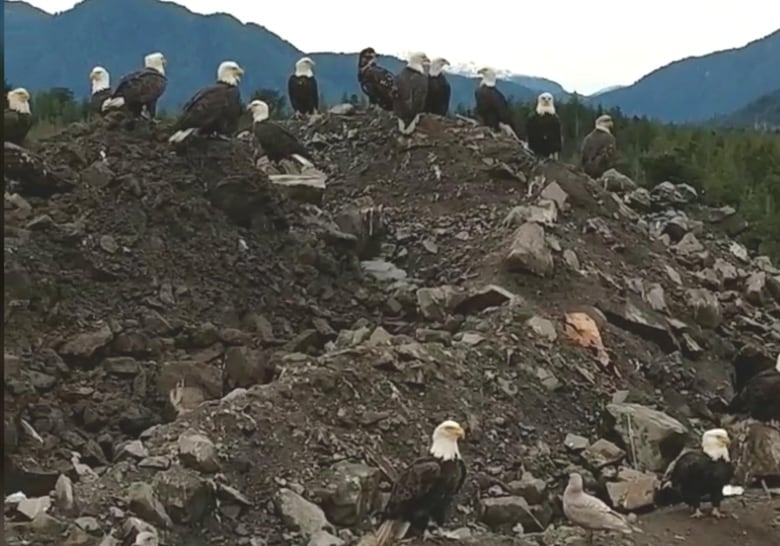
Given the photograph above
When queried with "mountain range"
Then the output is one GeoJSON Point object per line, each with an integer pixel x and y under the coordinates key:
{"type": "Point", "coordinates": [59, 51]}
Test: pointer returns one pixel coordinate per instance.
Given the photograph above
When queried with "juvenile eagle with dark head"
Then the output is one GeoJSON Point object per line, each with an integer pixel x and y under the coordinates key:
{"type": "Point", "coordinates": [101, 89]}
{"type": "Point", "coordinates": [376, 82]}
{"type": "Point", "coordinates": [276, 141]}
{"type": "Point", "coordinates": [411, 91]}
{"type": "Point", "coordinates": [425, 490]}
{"type": "Point", "coordinates": [439, 90]}
{"type": "Point", "coordinates": [215, 108]}
{"type": "Point", "coordinates": [599, 148]}
{"type": "Point", "coordinates": [17, 118]}
{"type": "Point", "coordinates": [302, 88]}
{"type": "Point", "coordinates": [544, 128]}
{"type": "Point", "coordinates": [759, 395]}
{"type": "Point", "coordinates": [141, 88]}
{"type": "Point", "coordinates": [492, 107]}
{"type": "Point", "coordinates": [700, 475]}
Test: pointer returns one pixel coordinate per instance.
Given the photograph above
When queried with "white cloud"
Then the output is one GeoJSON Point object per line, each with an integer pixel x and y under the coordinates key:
{"type": "Point", "coordinates": [583, 45]}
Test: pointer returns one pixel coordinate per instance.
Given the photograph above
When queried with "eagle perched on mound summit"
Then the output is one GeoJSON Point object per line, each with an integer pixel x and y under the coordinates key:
{"type": "Point", "coordinates": [425, 490]}
{"type": "Point", "coordinates": [544, 128]}
{"type": "Point", "coordinates": [141, 88]}
{"type": "Point", "coordinates": [376, 82]}
{"type": "Point", "coordinates": [302, 88]}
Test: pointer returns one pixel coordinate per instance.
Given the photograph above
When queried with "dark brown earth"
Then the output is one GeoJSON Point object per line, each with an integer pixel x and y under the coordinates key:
{"type": "Point", "coordinates": [194, 267]}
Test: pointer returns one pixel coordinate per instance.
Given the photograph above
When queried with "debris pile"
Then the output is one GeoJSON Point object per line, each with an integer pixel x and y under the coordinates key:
{"type": "Point", "coordinates": [197, 353]}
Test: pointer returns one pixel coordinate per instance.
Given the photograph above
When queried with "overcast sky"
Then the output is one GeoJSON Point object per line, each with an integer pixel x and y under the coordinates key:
{"type": "Point", "coordinates": [584, 45]}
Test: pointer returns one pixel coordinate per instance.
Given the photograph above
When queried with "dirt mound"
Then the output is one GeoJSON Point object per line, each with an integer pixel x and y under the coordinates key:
{"type": "Point", "coordinates": [295, 356]}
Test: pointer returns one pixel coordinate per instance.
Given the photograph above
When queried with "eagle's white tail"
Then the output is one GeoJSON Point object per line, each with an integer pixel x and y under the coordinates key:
{"type": "Point", "coordinates": [116, 102]}
{"type": "Point", "coordinates": [179, 136]}
{"type": "Point", "coordinates": [303, 161]}
{"type": "Point", "coordinates": [390, 531]}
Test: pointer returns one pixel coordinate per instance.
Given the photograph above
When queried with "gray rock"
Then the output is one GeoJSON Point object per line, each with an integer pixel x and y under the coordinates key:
{"type": "Point", "coordinates": [158, 462]}
{"type": "Point", "coordinates": [657, 437]}
{"type": "Point", "coordinates": [483, 298]}
{"type": "Point", "coordinates": [688, 245]}
{"type": "Point", "coordinates": [435, 303]}
{"type": "Point", "coordinates": [634, 490]}
{"type": "Point", "coordinates": [323, 538]}
{"type": "Point", "coordinates": [506, 512]}
{"type": "Point", "coordinates": [87, 344]}
{"type": "Point", "coordinates": [545, 213]}
{"type": "Point", "coordinates": [123, 366]}
{"type": "Point", "coordinates": [529, 251]}
{"type": "Point", "coordinates": [142, 501]}
{"type": "Point", "coordinates": [616, 181]}
{"type": "Point", "coordinates": [759, 455]}
{"type": "Point", "coordinates": [773, 287]}
{"type": "Point", "coordinates": [298, 514]}
{"type": "Point", "coordinates": [134, 450]}
{"type": "Point", "coordinates": [532, 489]}
{"type": "Point", "coordinates": [571, 259]}
{"type": "Point", "coordinates": [705, 307]}
{"type": "Point", "coordinates": [32, 507]}
{"type": "Point", "coordinates": [198, 452]}
{"type": "Point", "coordinates": [89, 524]}
{"type": "Point", "coordinates": [655, 297]}
{"type": "Point", "coordinates": [186, 497]}
{"type": "Point", "coordinates": [351, 493]}
{"type": "Point", "coordinates": [63, 494]}
{"type": "Point", "coordinates": [574, 442]}
{"type": "Point", "coordinates": [555, 193]}
{"type": "Point", "coordinates": [382, 270]}
{"type": "Point", "coordinates": [602, 453]}
{"type": "Point", "coordinates": [755, 288]}
{"type": "Point", "coordinates": [543, 328]}
{"type": "Point", "coordinates": [639, 199]}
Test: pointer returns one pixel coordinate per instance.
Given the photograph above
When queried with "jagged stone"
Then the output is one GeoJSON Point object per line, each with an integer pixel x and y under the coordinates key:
{"type": "Point", "coordinates": [198, 452]}
{"type": "Point", "coordinates": [602, 453]}
{"type": "Point", "coordinates": [705, 307]}
{"type": "Point", "coordinates": [299, 514]}
{"type": "Point", "coordinates": [186, 497]}
{"type": "Point", "coordinates": [529, 251]}
{"type": "Point", "coordinates": [351, 493]}
{"type": "Point", "coordinates": [633, 490]}
{"type": "Point", "coordinates": [142, 500]}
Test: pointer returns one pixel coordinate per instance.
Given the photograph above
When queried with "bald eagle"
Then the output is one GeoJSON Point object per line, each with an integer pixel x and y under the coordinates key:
{"type": "Point", "coordinates": [101, 89]}
{"type": "Point", "coordinates": [302, 88]}
{"type": "Point", "coordinates": [492, 106]}
{"type": "Point", "coordinates": [425, 490]}
{"type": "Point", "coordinates": [411, 85]}
{"type": "Point", "coordinates": [277, 142]}
{"type": "Point", "coordinates": [439, 91]}
{"type": "Point", "coordinates": [141, 88]}
{"type": "Point", "coordinates": [544, 128]}
{"type": "Point", "coordinates": [699, 474]}
{"type": "Point", "coordinates": [759, 396]}
{"type": "Point", "coordinates": [17, 118]}
{"type": "Point", "coordinates": [215, 108]}
{"type": "Point", "coordinates": [28, 174]}
{"type": "Point", "coordinates": [599, 150]}
{"type": "Point", "coordinates": [376, 82]}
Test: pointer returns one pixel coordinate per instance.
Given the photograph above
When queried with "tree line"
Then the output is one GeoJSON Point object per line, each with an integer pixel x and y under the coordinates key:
{"type": "Point", "coordinates": [727, 166]}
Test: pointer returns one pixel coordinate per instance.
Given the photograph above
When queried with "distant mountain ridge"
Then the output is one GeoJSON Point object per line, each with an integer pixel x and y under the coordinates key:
{"type": "Point", "coordinates": [47, 52]}
{"type": "Point", "coordinates": [761, 114]}
{"type": "Point", "coordinates": [697, 89]}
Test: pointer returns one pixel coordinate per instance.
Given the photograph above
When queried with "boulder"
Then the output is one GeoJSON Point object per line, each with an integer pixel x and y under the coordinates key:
{"type": "Point", "coordinates": [705, 307]}
{"type": "Point", "coordinates": [300, 515]}
{"type": "Point", "coordinates": [529, 252]}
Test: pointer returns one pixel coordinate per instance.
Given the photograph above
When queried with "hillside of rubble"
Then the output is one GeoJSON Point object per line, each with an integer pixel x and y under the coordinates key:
{"type": "Point", "coordinates": [203, 350]}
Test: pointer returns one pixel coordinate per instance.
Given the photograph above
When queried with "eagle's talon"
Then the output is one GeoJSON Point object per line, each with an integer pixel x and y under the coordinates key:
{"type": "Point", "coordinates": [716, 513]}
{"type": "Point", "coordinates": [697, 514]}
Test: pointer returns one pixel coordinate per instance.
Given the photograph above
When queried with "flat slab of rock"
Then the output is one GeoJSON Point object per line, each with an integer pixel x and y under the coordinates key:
{"type": "Point", "coordinates": [633, 490]}
{"type": "Point", "coordinates": [198, 452]}
{"type": "Point", "coordinates": [656, 437]}
{"type": "Point", "coordinates": [298, 514]}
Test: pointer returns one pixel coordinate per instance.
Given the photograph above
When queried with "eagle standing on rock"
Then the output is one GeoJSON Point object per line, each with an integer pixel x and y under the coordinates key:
{"type": "Point", "coordinates": [101, 89]}
{"type": "Point", "coordinates": [141, 88]}
{"type": "Point", "coordinates": [590, 512]}
{"type": "Point", "coordinates": [544, 128]}
{"type": "Point", "coordinates": [277, 142]}
{"type": "Point", "coordinates": [492, 106]}
{"type": "Point", "coordinates": [17, 118]}
{"type": "Point", "coordinates": [302, 88]}
{"type": "Point", "coordinates": [425, 490]}
{"type": "Point", "coordinates": [599, 148]}
{"type": "Point", "coordinates": [376, 82]}
{"type": "Point", "coordinates": [215, 108]}
{"type": "Point", "coordinates": [411, 86]}
{"type": "Point", "coordinates": [699, 474]}
{"type": "Point", "coordinates": [439, 91]}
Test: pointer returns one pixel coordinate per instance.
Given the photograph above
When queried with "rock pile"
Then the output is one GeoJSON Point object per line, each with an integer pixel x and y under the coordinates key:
{"type": "Point", "coordinates": [196, 353]}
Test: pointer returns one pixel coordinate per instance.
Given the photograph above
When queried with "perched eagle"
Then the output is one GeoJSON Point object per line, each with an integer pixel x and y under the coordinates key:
{"type": "Point", "coordinates": [699, 474]}
{"type": "Point", "coordinates": [302, 88]}
{"type": "Point", "coordinates": [492, 106]}
{"type": "Point", "coordinates": [17, 118]}
{"type": "Point", "coordinates": [141, 88]}
{"type": "Point", "coordinates": [277, 142]}
{"type": "Point", "coordinates": [101, 89]}
{"type": "Point", "coordinates": [425, 490]}
{"type": "Point", "coordinates": [376, 82]}
{"type": "Point", "coordinates": [759, 397]}
{"type": "Point", "coordinates": [590, 512]}
{"type": "Point", "coordinates": [438, 101]}
{"type": "Point", "coordinates": [29, 175]}
{"type": "Point", "coordinates": [215, 108]}
{"type": "Point", "coordinates": [544, 128]}
{"type": "Point", "coordinates": [599, 150]}
{"type": "Point", "coordinates": [411, 91]}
